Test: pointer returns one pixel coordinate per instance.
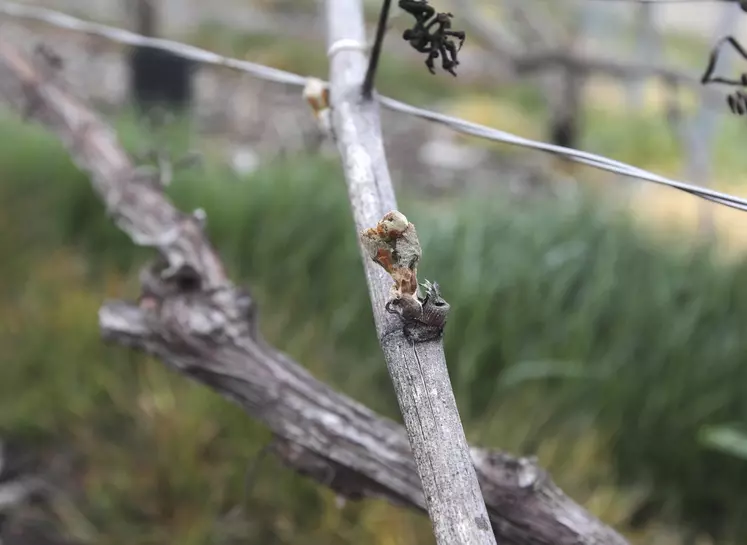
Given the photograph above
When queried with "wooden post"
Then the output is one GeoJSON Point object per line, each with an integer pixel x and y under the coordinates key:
{"type": "Point", "coordinates": [158, 78]}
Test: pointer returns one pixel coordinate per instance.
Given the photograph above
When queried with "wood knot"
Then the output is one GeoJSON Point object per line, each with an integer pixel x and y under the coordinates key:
{"type": "Point", "coordinates": [156, 285]}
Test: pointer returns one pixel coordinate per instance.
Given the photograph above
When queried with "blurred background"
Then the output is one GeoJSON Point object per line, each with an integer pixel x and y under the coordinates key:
{"type": "Point", "coordinates": [596, 320]}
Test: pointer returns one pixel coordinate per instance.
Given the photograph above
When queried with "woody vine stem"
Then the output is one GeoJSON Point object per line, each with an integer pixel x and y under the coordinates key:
{"type": "Point", "coordinates": [373, 61]}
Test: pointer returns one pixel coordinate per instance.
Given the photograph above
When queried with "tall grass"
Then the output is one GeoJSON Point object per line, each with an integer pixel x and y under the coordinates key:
{"type": "Point", "coordinates": [572, 335]}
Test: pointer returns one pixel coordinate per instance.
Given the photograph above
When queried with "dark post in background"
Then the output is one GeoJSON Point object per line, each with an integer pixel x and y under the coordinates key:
{"type": "Point", "coordinates": [159, 80]}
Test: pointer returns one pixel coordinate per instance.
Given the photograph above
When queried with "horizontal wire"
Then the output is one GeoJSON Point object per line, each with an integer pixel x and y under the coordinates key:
{"type": "Point", "coordinates": [597, 161]}
{"type": "Point", "coordinates": [197, 54]}
{"type": "Point", "coordinates": [120, 35]}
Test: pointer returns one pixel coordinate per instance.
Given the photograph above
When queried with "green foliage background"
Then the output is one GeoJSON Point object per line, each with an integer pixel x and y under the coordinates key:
{"type": "Point", "coordinates": [574, 336]}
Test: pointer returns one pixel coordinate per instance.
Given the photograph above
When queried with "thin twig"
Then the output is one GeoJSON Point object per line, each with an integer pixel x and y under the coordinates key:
{"type": "Point", "coordinates": [713, 60]}
{"type": "Point", "coordinates": [373, 61]}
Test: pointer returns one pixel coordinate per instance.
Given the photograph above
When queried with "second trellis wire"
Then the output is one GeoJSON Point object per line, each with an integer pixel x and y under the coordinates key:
{"type": "Point", "coordinates": [197, 54]}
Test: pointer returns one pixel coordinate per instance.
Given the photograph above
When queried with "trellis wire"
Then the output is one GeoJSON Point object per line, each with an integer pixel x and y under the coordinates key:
{"type": "Point", "coordinates": [62, 20]}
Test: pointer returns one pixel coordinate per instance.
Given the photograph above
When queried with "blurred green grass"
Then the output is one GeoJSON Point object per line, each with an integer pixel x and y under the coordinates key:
{"type": "Point", "coordinates": [573, 335]}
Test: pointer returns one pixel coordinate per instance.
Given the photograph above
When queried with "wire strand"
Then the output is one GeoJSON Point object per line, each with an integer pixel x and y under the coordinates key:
{"type": "Point", "coordinates": [599, 162]}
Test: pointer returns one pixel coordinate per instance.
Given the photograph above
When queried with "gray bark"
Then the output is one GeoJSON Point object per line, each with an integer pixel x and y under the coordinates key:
{"type": "Point", "coordinates": [417, 366]}
{"type": "Point", "coordinates": [196, 321]}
